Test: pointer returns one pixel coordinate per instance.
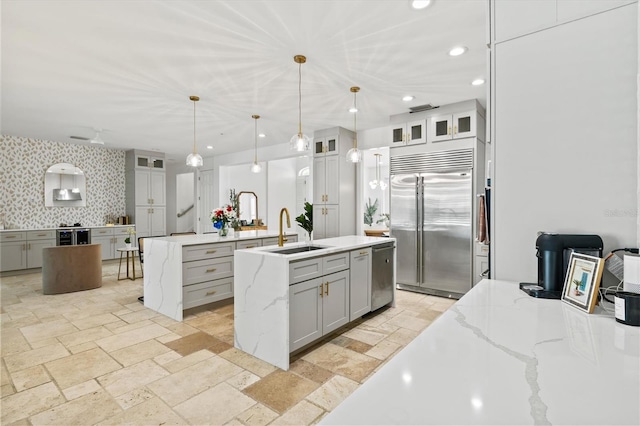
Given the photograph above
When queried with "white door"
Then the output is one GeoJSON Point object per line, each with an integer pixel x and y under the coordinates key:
{"type": "Point", "coordinates": [143, 221]}
{"type": "Point", "coordinates": [106, 243]}
{"type": "Point", "coordinates": [416, 133]}
{"type": "Point", "coordinates": [464, 124]}
{"type": "Point", "coordinates": [440, 128]}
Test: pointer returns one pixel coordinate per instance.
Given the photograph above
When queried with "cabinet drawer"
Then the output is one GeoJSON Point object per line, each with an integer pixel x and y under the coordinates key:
{"type": "Point", "coordinates": [271, 241]}
{"type": "Point", "coordinates": [303, 270]}
{"type": "Point", "coordinates": [335, 263]}
{"type": "Point", "coordinates": [122, 231]}
{"type": "Point", "coordinates": [248, 244]}
{"type": "Point", "coordinates": [49, 234]}
{"type": "Point", "coordinates": [101, 232]}
{"type": "Point", "coordinates": [207, 251]}
{"type": "Point", "coordinates": [206, 292]}
{"type": "Point", "coordinates": [12, 236]}
{"type": "Point", "coordinates": [206, 270]}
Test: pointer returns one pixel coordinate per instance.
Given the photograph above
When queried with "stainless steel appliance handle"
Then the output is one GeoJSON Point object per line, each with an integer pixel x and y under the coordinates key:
{"type": "Point", "coordinates": [419, 222]}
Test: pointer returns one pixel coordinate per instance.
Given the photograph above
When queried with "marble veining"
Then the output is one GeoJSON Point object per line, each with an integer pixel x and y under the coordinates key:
{"type": "Point", "coordinates": [538, 407]}
{"type": "Point", "coordinates": [500, 357]}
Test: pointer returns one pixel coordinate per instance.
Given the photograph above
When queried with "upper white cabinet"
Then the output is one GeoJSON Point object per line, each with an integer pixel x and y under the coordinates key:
{"type": "Point", "coordinates": [410, 133]}
{"type": "Point", "coordinates": [327, 145]}
{"type": "Point", "coordinates": [334, 184]}
{"type": "Point", "coordinates": [146, 190]}
{"type": "Point", "coordinates": [453, 126]}
{"type": "Point", "coordinates": [144, 161]}
{"type": "Point", "coordinates": [150, 187]}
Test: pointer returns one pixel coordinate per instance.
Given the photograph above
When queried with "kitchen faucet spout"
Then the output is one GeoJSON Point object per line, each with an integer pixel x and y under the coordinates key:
{"type": "Point", "coordinates": [281, 238]}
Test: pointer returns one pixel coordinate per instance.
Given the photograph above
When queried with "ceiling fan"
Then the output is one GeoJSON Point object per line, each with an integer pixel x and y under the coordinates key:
{"type": "Point", "coordinates": [96, 139]}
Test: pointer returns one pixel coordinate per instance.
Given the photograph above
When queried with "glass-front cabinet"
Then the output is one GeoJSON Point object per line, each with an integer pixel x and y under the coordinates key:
{"type": "Point", "coordinates": [453, 126]}
{"type": "Point", "coordinates": [325, 146]}
{"type": "Point", "coordinates": [410, 133]}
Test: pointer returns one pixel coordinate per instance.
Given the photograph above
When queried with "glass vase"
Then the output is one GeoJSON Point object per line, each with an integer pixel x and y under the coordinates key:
{"type": "Point", "coordinates": [224, 231]}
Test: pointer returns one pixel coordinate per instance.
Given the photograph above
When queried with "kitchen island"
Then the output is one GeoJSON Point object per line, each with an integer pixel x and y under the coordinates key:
{"type": "Point", "coordinates": [499, 356]}
{"type": "Point", "coordinates": [285, 301]}
{"type": "Point", "coordinates": [186, 271]}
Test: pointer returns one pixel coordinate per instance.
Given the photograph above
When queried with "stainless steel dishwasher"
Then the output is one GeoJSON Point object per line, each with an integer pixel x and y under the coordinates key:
{"type": "Point", "coordinates": [382, 275]}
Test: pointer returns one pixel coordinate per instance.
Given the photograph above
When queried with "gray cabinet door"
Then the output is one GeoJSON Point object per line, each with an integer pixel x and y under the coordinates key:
{"type": "Point", "coordinates": [335, 301]}
{"type": "Point", "coordinates": [360, 283]}
{"type": "Point", "coordinates": [305, 313]}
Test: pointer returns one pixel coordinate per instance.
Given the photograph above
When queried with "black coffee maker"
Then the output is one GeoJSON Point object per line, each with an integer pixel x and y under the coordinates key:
{"type": "Point", "coordinates": [553, 253]}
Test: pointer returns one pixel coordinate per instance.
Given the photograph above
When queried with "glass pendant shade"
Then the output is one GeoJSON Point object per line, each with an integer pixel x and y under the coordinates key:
{"type": "Point", "coordinates": [354, 155]}
{"type": "Point", "coordinates": [194, 159]}
{"type": "Point", "coordinates": [300, 142]}
{"type": "Point", "coordinates": [256, 168]}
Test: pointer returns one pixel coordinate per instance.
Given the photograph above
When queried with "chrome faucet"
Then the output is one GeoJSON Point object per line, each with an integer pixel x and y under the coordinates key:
{"type": "Point", "coordinates": [281, 238]}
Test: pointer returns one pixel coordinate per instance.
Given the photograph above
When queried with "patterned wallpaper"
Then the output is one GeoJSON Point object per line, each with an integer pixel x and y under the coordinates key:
{"type": "Point", "coordinates": [23, 163]}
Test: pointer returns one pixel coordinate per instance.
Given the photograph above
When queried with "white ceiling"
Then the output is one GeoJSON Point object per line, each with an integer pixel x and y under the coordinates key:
{"type": "Point", "coordinates": [128, 67]}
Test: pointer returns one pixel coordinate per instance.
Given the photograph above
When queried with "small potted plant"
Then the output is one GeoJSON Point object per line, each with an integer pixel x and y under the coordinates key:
{"type": "Point", "coordinates": [130, 232]}
{"type": "Point", "coordinates": [305, 220]}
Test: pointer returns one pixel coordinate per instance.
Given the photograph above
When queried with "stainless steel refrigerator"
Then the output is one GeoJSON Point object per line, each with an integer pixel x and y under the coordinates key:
{"type": "Point", "coordinates": [432, 221]}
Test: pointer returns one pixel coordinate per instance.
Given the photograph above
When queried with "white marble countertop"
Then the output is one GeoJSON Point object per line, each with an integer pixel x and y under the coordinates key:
{"type": "Point", "coordinates": [67, 227]}
{"type": "Point", "coordinates": [499, 356]}
{"type": "Point", "coordinates": [329, 246]}
{"type": "Point", "coordinates": [189, 240]}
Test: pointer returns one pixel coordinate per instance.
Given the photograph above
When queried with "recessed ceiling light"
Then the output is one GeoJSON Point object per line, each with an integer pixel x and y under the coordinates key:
{"type": "Point", "coordinates": [457, 51]}
{"type": "Point", "coordinates": [353, 109]}
{"type": "Point", "coordinates": [209, 147]}
{"type": "Point", "coordinates": [262, 135]}
{"type": "Point", "coordinates": [477, 82]}
{"type": "Point", "coordinates": [419, 4]}
{"type": "Point", "coordinates": [408, 98]}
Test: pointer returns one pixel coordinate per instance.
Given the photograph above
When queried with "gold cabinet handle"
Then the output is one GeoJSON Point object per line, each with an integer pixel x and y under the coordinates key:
{"type": "Point", "coordinates": [252, 246]}
{"type": "Point", "coordinates": [326, 292]}
{"type": "Point", "coordinates": [211, 251]}
{"type": "Point", "coordinates": [11, 236]}
{"type": "Point", "coordinates": [455, 129]}
{"type": "Point", "coordinates": [24, 247]}
{"type": "Point", "coordinates": [211, 270]}
{"type": "Point", "coordinates": [209, 293]}
{"type": "Point", "coordinates": [364, 253]}
{"type": "Point", "coordinates": [449, 130]}
{"type": "Point", "coordinates": [321, 290]}
{"type": "Point", "coordinates": [103, 232]}
{"type": "Point", "coordinates": [29, 246]}
{"type": "Point", "coordinates": [41, 235]}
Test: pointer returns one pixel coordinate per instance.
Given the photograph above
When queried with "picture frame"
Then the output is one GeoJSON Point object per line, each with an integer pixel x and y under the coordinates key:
{"type": "Point", "coordinates": [582, 281]}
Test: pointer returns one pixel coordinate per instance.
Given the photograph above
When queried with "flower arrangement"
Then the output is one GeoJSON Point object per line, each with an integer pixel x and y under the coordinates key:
{"type": "Point", "coordinates": [223, 216]}
{"type": "Point", "coordinates": [130, 232]}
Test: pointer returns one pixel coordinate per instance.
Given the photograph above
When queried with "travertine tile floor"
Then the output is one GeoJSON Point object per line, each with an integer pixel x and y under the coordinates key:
{"type": "Point", "coordinates": [100, 357]}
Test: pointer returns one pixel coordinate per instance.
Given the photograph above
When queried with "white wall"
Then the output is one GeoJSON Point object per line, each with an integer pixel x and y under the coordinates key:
{"type": "Point", "coordinates": [282, 192]}
{"type": "Point", "coordinates": [565, 136]}
{"type": "Point", "coordinates": [240, 178]}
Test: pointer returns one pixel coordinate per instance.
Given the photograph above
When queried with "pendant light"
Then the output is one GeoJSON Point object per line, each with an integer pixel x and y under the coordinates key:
{"type": "Point", "coordinates": [300, 141]}
{"type": "Point", "coordinates": [255, 167]}
{"type": "Point", "coordinates": [354, 155]}
{"type": "Point", "coordinates": [194, 159]}
{"type": "Point", "coordinates": [377, 181]}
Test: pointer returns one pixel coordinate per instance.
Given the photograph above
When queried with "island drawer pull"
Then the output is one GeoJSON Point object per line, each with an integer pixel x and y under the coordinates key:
{"type": "Point", "coordinates": [211, 270]}
{"type": "Point", "coordinates": [252, 246]}
{"type": "Point", "coordinates": [41, 235]}
{"type": "Point", "coordinates": [209, 293]}
{"type": "Point", "coordinates": [364, 253]}
{"type": "Point", "coordinates": [211, 251]}
{"type": "Point", "coordinates": [11, 236]}
{"type": "Point", "coordinates": [327, 290]}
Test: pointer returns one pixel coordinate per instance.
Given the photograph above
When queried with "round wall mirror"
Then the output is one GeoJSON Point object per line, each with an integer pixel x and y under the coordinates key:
{"type": "Point", "coordinates": [65, 186]}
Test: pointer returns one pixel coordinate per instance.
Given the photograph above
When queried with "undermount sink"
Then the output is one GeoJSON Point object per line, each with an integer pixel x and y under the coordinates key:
{"type": "Point", "coordinates": [294, 250]}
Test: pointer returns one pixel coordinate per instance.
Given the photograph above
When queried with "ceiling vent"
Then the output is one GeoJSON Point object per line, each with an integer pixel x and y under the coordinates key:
{"type": "Point", "coordinates": [421, 108]}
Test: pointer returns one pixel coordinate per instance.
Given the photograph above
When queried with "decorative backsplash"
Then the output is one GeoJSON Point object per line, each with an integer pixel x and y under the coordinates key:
{"type": "Point", "coordinates": [23, 164]}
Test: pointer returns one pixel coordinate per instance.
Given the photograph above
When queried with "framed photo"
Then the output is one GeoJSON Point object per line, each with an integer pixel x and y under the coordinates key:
{"type": "Point", "coordinates": [582, 281]}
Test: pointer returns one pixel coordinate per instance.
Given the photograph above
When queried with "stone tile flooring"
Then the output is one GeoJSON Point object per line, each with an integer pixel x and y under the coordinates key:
{"type": "Point", "coordinates": [100, 357]}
